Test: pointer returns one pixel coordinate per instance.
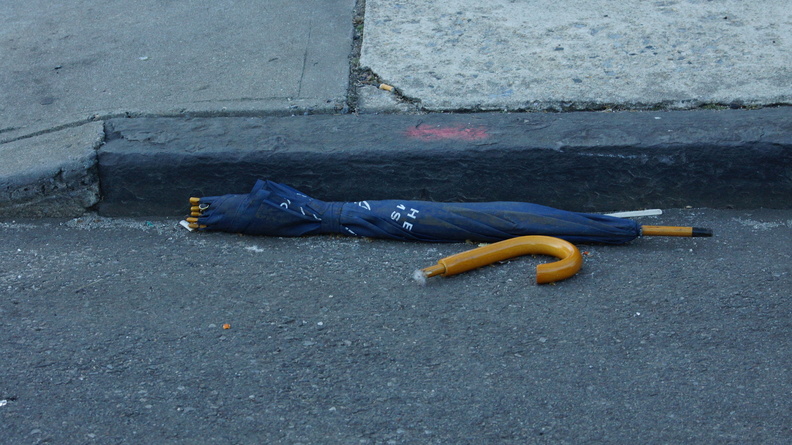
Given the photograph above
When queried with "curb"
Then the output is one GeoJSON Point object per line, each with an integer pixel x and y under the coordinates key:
{"type": "Point", "coordinates": [52, 174]}
{"type": "Point", "coordinates": [586, 161]}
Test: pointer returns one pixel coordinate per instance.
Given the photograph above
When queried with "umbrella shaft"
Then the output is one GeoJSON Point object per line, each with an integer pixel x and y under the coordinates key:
{"type": "Point", "coordinates": [674, 231]}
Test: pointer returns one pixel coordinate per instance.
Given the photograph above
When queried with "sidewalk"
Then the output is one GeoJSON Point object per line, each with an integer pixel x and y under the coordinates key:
{"type": "Point", "coordinates": [582, 54]}
{"type": "Point", "coordinates": [75, 67]}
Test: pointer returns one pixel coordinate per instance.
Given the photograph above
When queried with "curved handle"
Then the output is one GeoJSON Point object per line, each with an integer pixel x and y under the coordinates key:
{"type": "Point", "coordinates": [570, 263]}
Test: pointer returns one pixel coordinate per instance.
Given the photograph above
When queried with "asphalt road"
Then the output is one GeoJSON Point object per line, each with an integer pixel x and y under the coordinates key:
{"type": "Point", "coordinates": [113, 332]}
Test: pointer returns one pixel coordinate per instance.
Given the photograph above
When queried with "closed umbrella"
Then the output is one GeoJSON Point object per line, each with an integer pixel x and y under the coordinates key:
{"type": "Point", "coordinates": [278, 210]}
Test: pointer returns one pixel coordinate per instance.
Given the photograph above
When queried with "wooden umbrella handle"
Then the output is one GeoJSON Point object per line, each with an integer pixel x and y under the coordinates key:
{"type": "Point", "coordinates": [674, 231]}
{"type": "Point", "coordinates": [570, 263]}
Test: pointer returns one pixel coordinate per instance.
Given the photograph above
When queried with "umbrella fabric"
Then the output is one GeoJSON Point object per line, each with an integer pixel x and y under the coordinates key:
{"type": "Point", "coordinates": [278, 210]}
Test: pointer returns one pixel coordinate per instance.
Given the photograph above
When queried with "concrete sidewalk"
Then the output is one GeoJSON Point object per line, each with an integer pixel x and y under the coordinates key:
{"type": "Point", "coordinates": [74, 62]}
{"type": "Point", "coordinates": [69, 68]}
{"type": "Point", "coordinates": [582, 54]}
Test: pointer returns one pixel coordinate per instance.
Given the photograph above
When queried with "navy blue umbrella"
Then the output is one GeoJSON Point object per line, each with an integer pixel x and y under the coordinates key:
{"type": "Point", "coordinates": [278, 210]}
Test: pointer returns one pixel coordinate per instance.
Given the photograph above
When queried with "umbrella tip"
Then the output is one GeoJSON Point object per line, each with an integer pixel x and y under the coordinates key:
{"type": "Point", "coordinates": [701, 231]}
{"type": "Point", "coordinates": [420, 277]}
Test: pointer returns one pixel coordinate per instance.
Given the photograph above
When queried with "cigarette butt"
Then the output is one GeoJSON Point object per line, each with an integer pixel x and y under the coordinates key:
{"type": "Point", "coordinates": [386, 87]}
{"type": "Point", "coordinates": [226, 326]}
{"type": "Point", "coordinates": [195, 200]}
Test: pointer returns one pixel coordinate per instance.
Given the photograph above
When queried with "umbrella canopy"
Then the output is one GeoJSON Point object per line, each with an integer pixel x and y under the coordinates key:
{"type": "Point", "coordinates": [278, 210]}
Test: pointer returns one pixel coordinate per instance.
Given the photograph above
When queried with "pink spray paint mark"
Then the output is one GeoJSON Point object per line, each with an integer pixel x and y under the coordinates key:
{"type": "Point", "coordinates": [459, 133]}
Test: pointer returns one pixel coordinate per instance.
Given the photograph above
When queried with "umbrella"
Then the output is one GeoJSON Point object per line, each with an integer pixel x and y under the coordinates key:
{"type": "Point", "coordinates": [278, 210]}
